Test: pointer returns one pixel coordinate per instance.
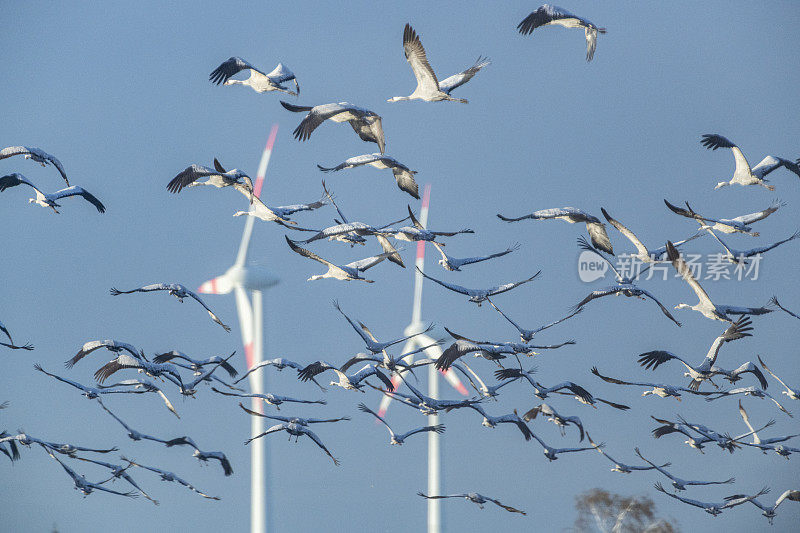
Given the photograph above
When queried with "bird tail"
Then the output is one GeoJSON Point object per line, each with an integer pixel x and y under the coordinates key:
{"type": "Point", "coordinates": [326, 169]}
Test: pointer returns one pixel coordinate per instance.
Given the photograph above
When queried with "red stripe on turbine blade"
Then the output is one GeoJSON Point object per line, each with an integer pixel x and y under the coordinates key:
{"type": "Point", "coordinates": [273, 133]}
{"type": "Point", "coordinates": [205, 288]}
{"type": "Point", "coordinates": [452, 378]}
{"type": "Point", "coordinates": [420, 250]}
{"type": "Point", "coordinates": [426, 196]}
{"type": "Point", "coordinates": [214, 286]}
{"type": "Point", "coordinates": [248, 352]}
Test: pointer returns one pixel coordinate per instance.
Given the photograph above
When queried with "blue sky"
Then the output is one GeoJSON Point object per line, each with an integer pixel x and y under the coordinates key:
{"type": "Point", "coordinates": [120, 94]}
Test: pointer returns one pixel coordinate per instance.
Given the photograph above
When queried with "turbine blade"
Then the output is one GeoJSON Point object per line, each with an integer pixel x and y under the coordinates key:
{"type": "Point", "coordinates": [212, 286]}
{"type": "Point", "coordinates": [241, 257]}
{"type": "Point", "coordinates": [416, 312]}
{"type": "Point", "coordinates": [245, 312]}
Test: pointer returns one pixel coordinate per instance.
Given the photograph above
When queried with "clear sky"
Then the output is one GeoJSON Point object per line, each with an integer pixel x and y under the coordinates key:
{"type": "Point", "coordinates": [120, 93]}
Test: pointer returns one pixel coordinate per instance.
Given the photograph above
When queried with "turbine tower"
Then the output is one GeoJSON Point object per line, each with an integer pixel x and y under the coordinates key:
{"type": "Point", "coordinates": [240, 278]}
{"type": "Point", "coordinates": [433, 352]}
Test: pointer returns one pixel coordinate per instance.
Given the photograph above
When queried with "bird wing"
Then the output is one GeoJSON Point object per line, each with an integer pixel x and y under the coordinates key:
{"type": "Point", "coordinates": [774, 300]}
{"type": "Point", "coordinates": [281, 74]}
{"type": "Point", "coordinates": [415, 55]}
{"type": "Point", "coordinates": [506, 507]}
{"type": "Point", "coordinates": [364, 408]}
{"type": "Point", "coordinates": [652, 360]}
{"type": "Point", "coordinates": [713, 141]}
{"type": "Point", "coordinates": [791, 495]}
{"type": "Point", "coordinates": [316, 116]}
{"type": "Point", "coordinates": [78, 191]}
{"type": "Point", "coordinates": [189, 175]}
{"type": "Point", "coordinates": [746, 420]}
{"type": "Point", "coordinates": [59, 378]}
{"type": "Point", "coordinates": [517, 421]}
{"type": "Point", "coordinates": [214, 317]}
{"type": "Point", "coordinates": [458, 349]}
{"type": "Point", "coordinates": [597, 232]}
{"type": "Point", "coordinates": [599, 448]}
{"type": "Point", "coordinates": [307, 253]}
{"type": "Point", "coordinates": [753, 369]}
{"type": "Point", "coordinates": [770, 163]}
{"type": "Point", "coordinates": [356, 161]}
{"type": "Point", "coordinates": [683, 269]}
{"type": "Point", "coordinates": [508, 286]}
{"type": "Point", "coordinates": [365, 336]}
{"type": "Point", "coordinates": [316, 439]}
{"type": "Point", "coordinates": [591, 41]}
{"type": "Point", "coordinates": [414, 222]}
{"type": "Point", "coordinates": [640, 247]}
{"type": "Point", "coordinates": [146, 288]}
{"type": "Point", "coordinates": [518, 328]}
{"type": "Point", "coordinates": [760, 215]}
{"type": "Point", "coordinates": [229, 68]}
{"type": "Point", "coordinates": [405, 180]}
{"type": "Point", "coordinates": [457, 80]}
{"type": "Point", "coordinates": [451, 286]}
{"type": "Point", "coordinates": [271, 417]}
{"type": "Point", "coordinates": [121, 362]}
{"type": "Point", "coordinates": [541, 17]}
{"type": "Point", "coordinates": [663, 309]}
{"type": "Point", "coordinates": [509, 219]}
{"type": "Point", "coordinates": [771, 373]}
{"type": "Point", "coordinates": [695, 503]}
{"type": "Point", "coordinates": [287, 210]}
{"type": "Point", "coordinates": [443, 496]}
{"type": "Point", "coordinates": [12, 180]}
{"type": "Point", "coordinates": [439, 428]}
{"type": "Point", "coordinates": [368, 262]}
{"type": "Point", "coordinates": [471, 260]}
{"type": "Point", "coordinates": [333, 202]}
{"type": "Point", "coordinates": [4, 329]}
{"type": "Point", "coordinates": [596, 294]}
{"type": "Point", "coordinates": [762, 249]}
{"type": "Point", "coordinates": [272, 429]}
{"type": "Point", "coordinates": [313, 369]}
{"type": "Point", "coordinates": [11, 151]}
{"type": "Point", "coordinates": [616, 381]}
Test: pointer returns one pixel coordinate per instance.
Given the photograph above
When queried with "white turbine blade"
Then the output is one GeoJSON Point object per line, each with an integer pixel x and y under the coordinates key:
{"type": "Point", "coordinates": [416, 317]}
{"type": "Point", "coordinates": [416, 312]}
{"type": "Point", "coordinates": [245, 312]}
{"type": "Point", "coordinates": [410, 345]}
{"type": "Point", "coordinates": [262, 171]}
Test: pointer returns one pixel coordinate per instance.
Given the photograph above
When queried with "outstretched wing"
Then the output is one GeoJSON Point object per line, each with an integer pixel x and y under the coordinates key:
{"type": "Point", "coordinates": [78, 191]}
{"type": "Point", "coordinates": [451, 286]}
{"type": "Point", "coordinates": [712, 141]}
{"type": "Point", "coordinates": [457, 80]}
{"type": "Point", "coordinates": [415, 55]}
{"type": "Point", "coordinates": [213, 316]}
{"type": "Point", "coordinates": [506, 507]}
{"type": "Point", "coordinates": [189, 175]}
{"type": "Point", "coordinates": [229, 68]}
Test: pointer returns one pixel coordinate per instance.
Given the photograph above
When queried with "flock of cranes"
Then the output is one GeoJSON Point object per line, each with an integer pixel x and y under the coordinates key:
{"type": "Point", "coordinates": [174, 372]}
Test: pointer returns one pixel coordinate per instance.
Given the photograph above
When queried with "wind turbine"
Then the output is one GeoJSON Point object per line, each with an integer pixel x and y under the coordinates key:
{"type": "Point", "coordinates": [240, 278]}
{"type": "Point", "coordinates": [433, 352]}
